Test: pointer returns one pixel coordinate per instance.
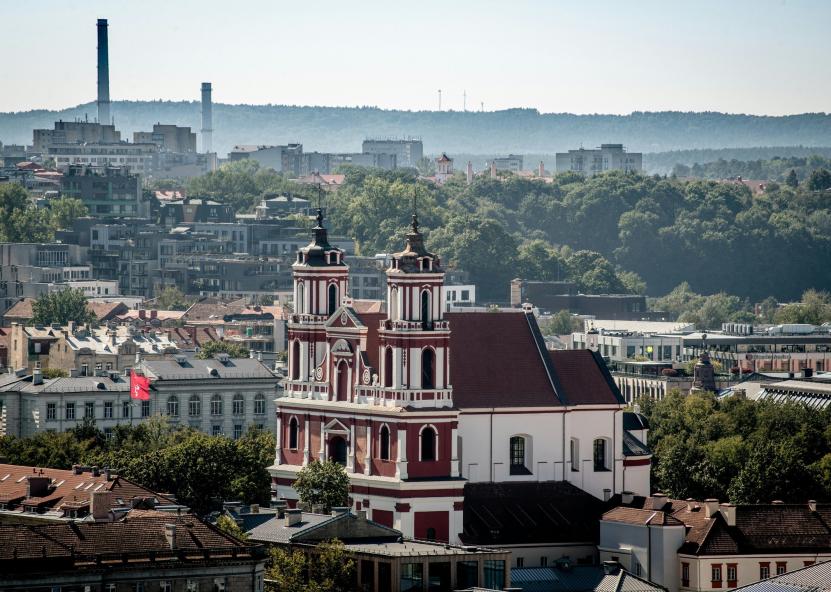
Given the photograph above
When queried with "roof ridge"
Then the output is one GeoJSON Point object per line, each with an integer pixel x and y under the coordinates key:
{"type": "Point", "coordinates": [547, 363]}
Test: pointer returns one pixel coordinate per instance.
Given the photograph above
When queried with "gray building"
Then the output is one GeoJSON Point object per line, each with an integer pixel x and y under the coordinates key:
{"type": "Point", "coordinates": [407, 151]}
{"type": "Point", "coordinates": [107, 192]}
{"type": "Point", "coordinates": [73, 132]}
{"type": "Point", "coordinates": [609, 157]}
{"type": "Point", "coordinates": [511, 163]}
{"type": "Point", "coordinates": [171, 138]}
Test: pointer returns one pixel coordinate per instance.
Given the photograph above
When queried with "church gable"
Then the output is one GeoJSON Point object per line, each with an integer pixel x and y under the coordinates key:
{"type": "Point", "coordinates": [344, 317]}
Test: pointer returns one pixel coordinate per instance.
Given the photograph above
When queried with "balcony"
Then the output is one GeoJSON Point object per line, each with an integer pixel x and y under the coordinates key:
{"type": "Point", "coordinates": [388, 325]}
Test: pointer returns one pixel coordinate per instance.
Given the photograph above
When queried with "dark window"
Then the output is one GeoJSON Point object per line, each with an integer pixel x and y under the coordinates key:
{"type": "Point", "coordinates": [343, 382]}
{"type": "Point", "coordinates": [295, 361]}
{"type": "Point", "coordinates": [431, 534]}
{"type": "Point", "coordinates": [426, 319]}
{"type": "Point", "coordinates": [427, 369]}
{"type": "Point", "coordinates": [467, 574]}
{"type": "Point", "coordinates": [293, 433]}
{"type": "Point", "coordinates": [388, 367]}
{"type": "Point", "coordinates": [600, 455]}
{"type": "Point", "coordinates": [337, 450]}
{"type": "Point", "coordinates": [518, 456]}
{"type": "Point", "coordinates": [384, 444]}
{"type": "Point", "coordinates": [428, 444]}
{"type": "Point", "coordinates": [333, 298]}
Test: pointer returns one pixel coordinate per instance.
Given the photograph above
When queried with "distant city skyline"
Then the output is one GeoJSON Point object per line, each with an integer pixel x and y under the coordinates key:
{"type": "Point", "coordinates": [756, 57]}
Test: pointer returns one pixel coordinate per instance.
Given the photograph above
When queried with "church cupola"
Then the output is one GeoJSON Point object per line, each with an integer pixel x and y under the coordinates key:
{"type": "Point", "coordinates": [320, 274]}
{"type": "Point", "coordinates": [415, 258]}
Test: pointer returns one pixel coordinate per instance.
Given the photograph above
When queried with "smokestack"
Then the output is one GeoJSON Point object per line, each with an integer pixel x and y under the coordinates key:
{"type": "Point", "coordinates": [207, 118]}
{"type": "Point", "coordinates": [103, 74]}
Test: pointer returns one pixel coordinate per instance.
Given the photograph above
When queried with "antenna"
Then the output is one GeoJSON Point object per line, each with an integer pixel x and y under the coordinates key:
{"type": "Point", "coordinates": [482, 106]}
{"type": "Point", "coordinates": [439, 99]}
{"type": "Point", "coordinates": [464, 100]}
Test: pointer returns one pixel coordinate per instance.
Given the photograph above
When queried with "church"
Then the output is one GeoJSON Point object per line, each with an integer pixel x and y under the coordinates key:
{"type": "Point", "coordinates": [416, 402]}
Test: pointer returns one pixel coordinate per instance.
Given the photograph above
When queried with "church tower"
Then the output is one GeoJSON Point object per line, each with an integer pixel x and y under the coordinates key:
{"type": "Point", "coordinates": [320, 282]}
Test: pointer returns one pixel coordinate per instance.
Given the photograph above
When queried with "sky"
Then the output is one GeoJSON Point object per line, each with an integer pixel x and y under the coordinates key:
{"type": "Point", "coordinates": [599, 56]}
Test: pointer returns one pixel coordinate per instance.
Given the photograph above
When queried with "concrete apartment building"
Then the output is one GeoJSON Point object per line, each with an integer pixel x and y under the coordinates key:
{"type": "Point", "coordinates": [170, 138]}
{"type": "Point", "coordinates": [74, 132]}
{"type": "Point", "coordinates": [107, 192]}
{"type": "Point", "coordinates": [609, 157]}
{"type": "Point", "coordinates": [140, 159]}
{"type": "Point", "coordinates": [512, 163]}
{"type": "Point", "coordinates": [408, 152]}
{"type": "Point", "coordinates": [695, 546]}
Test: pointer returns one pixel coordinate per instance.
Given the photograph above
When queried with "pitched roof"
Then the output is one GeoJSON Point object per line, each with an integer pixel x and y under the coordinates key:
{"type": "Point", "coordinates": [312, 528]}
{"type": "Point", "coordinates": [632, 446]}
{"type": "Point", "coordinates": [634, 421]}
{"type": "Point", "coordinates": [105, 311]}
{"type": "Point", "coordinates": [22, 309]}
{"type": "Point", "coordinates": [196, 369]}
{"type": "Point", "coordinates": [531, 512]}
{"type": "Point", "coordinates": [813, 578]}
{"type": "Point", "coordinates": [580, 578]}
{"type": "Point", "coordinates": [628, 515]}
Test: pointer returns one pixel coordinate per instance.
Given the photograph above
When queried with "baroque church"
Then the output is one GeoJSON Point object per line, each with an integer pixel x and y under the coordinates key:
{"type": "Point", "coordinates": [416, 402]}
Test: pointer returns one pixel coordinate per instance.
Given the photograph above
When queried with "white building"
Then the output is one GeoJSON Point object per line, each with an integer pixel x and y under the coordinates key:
{"type": "Point", "coordinates": [462, 295]}
{"type": "Point", "coordinates": [703, 546]}
{"type": "Point", "coordinates": [139, 158]}
{"type": "Point", "coordinates": [608, 157]}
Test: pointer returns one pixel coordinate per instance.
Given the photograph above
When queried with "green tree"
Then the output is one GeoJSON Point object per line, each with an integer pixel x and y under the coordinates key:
{"type": "Point", "coordinates": [326, 568]}
{"type": "Point", "coordinates": [65, 210]}
{"type": "Point", "coordinates": [211, 348]}
{"type": "Point", "coordinates": [229, 526]}
{"type": "Point", "coordinates": [61, 307]}
{"type": "Point", "coordinates": [561, 323]}
{"type": "Point", "coordinates": [323, 483]}
{"type": "Point", "coordinates": [172, 298]}
{"type": "Point", "coordinates": [820, 180]}
{"type": "Point", "coordinates": [287, 569]}
{"type": "Point", "coordinates": [791, 180]}
{"type": "Point", "coordinates": [55, 373]}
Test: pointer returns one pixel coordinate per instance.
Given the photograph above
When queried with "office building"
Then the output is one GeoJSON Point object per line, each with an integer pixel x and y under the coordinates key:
{"type": "Point", "coordinates": [609, 157]}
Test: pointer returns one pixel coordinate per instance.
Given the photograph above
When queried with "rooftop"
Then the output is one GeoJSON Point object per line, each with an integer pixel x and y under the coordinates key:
{"type": "Point", "coordinates": [212, 369]}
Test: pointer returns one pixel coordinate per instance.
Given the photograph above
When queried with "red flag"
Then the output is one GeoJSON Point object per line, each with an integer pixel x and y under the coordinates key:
{"type": "Point", "coordinates": [139, 386]}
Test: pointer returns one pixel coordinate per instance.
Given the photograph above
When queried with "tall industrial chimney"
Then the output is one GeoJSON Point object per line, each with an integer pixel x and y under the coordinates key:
{"type": "Point", "coordinates": [103, 74]}
{"type": "Point", "coordinates": [207, 118]}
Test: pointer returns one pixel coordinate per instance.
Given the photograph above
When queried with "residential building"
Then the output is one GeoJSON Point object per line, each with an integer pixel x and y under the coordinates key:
{"type": "Point", "coordinates": [283, 159]}
{"type": "Point", "coordinates": [22, 314]}
{"type": "Point", "coordinates": [598, 160]}
{"type": "Point", "coordinates": [260, 329]}
{"type": "Point", "coordinates": [373, 160]}
{"type": "Point", "coordinates": [619, 346]}
{"type": "Point", "coordinates": [170, 138]}
{"type": "Point", "coordinates": [140, 159]}
{"type": "Point", "coordinates": [74, 132]}
{"type": "Point", "coordinates": [415, 401]}
{"type": "Point", "coordinates": [107, 192]}
{"type": "Point", "coordinates": [702, 546]}
{"type": "Point", "coordinates": [384, 561]}
{"type": "Point", "coordinates": [408, 152]}
{"type": "Point", "coordinates": [460, 295]}
{"type": "Point", "coordinates": [140, 549]}
{"type": "Point", "coordinates": [190, 210]}
{"type": "Point", "coordinates": [812, 578]}
{"type": "Point", "coordinates": [220, 395]}
{"type": "Point", "coordinates": [511, 163]}
{"type": "Point", "coordinates": [43, 495]}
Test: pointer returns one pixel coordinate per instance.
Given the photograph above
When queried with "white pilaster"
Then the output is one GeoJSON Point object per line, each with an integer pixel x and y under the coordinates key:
{"type": "Point", "coordinates": [368, 453]}
{"type": "Point", "coordinates": [306, 441]}
{"type": "Point", "coordinates": [454, 453]}
{"type": "Point", "coordinates": [401, 455]}
{"type": "Point", "coordinates": [278, 457]}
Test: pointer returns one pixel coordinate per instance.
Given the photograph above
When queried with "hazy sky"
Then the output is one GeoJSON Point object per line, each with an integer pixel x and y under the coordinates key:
{"type": "Point", "coordinates": [598, 56]}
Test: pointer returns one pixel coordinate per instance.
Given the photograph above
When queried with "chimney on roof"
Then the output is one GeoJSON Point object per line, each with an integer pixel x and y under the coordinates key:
{"type": "Point", "coordinates": [170, 535]}
{"type": "Point", "coordinates": [96, 471]}
{"type": "Point", "coordinates": [77, 469]}
{"type": "Point", "coordinates": [100, 505]}
{"type": "Point", "coordinates": [280, 505]}
{"type": "Point", "coordinates": [710, 507]}
{"type": "Point", "coordinates": [73, 373]}
{"type": "Point", "coordinates": [107, 475]}
{"type": "Point", "coordinates": [37, 486]}
{"type": "Point", "coordinates": [812, 505]}
{"type": "Point", "coordinates": [728, 512]}
{"type": "Point", "coordinates": [254, 509]}
{"type": "Point", "coordinates": [37, 376]}
{"type": "Point", "coordinates": [610, 568]}
{"type": "Point", "coordinates": [627, 497]}
{"type": "Point", "coordinates": [659, 501]}
{"type": "Point", "coordinates": [293, 516]}
{"type": "Point", "coordinates": [607, 493]}
{"type": "Point", "coordinates": [361, 515]}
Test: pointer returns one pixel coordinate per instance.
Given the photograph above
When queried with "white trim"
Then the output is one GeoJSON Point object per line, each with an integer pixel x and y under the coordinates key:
{"type": "Point", "coordinates": [435, 442]}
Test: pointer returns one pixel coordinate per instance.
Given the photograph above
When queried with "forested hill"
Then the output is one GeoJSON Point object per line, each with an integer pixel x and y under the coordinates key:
{"type": "Point", "coordinates": [515, 130]}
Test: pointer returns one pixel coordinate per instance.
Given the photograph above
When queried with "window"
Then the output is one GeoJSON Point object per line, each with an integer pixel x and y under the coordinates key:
{"type": "Point", "coordinates": [300, 298]}
{"type": "Point", "coordinates": [216, 430]}
{"type": "Point", "coordinates": [764, 571]}
{"type": "Point", "coordinates": [781, 567]}
{"type": "Point", "coordinates": [108, 409]}
{"type": "Point", "coordinates": [600, 455]}
{"type": "Point", "coordinates": [520, 562]}
{"type": "Point", "coordinates": [426, 316]}
{"type": "Point", "coordinates": [685, 574]}
{"type": "Point", "coordinates": [333, 298]}
{"type": "Point", "coordinates": [70, 411]}
{"type": "Point", "coordinates": [195, 406]}
{"type": "Point", "coordinates": [138, 587]}
{"type": "Point", "coordinates": [145, 408]}
{"type": "Point", "coordinates": [431, 534]}
{"type": "Point", "coordinates": [166, 586]}
{"type": "Point", "coordinates": [192, 586]}
{"type": "Point", "coordinates": [543, 561]}
{"type": "Point", "coordinates": [125, 409]}
{"type": "Point", "coordinates": [51, 411]}
{"type": "Point", "coordinates": [293, 433]}
{"type": "Point", "coordinates": [216, 405]}
{"type": "Point", "coordinates": [295, 360]}
{"type": "Point", "coordinates": [732, 572]}
{"type": "Point", "coordinates": [467, 574]}
{"type": "Point", "coordinates": [494, 574]}
{"type": "Point", "coordinates": [259, 404]}
{"type": "Point", "coordinates": [517, 452]}
{"type": "Point", "coordinates": [428, 444]}
{"type": "Point", "coordinates": [108, 433]}
{"type": "Point", "coordinates": [89, 410]}
{"type": "Point", "coordinates": [173, 406]}
{"type": "Point", "coordinates": [574, 454]}
{"type": "Point", "coordinates": [237, 431]}
{"type": "Point", "coordinates": [412, 577]}
{"type": "Point", "coordinates": [238, 405]}
{"type": "Point", "coordinates": [388, 367]}
{"type": "Point", "coordinates": [384, 443]}
{"type": "Point", "coordinates": [428, 359]}
{"type": "Point", "coordinates": [715, 575]}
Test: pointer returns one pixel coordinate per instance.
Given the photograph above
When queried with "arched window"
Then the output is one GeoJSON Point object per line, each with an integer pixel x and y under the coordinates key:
{"type": "Point", "coordinates": [295, 360]}
{"type": "Point", "coordinates": [517, 452]}
{"type": "Point", "coordinates": [173, 406]}
{"type": "Point", "coordinates": [600, 455]}
{"type": "Point", "coordinates": [216, 405]}
{"type": "Point", "coordinates": [426, 316]}
{"type": "Point", "coordinates": [333, 298]}
{"type": "Point", "coordinates": [384, 443]}
{"type": "Point", "coordinates": [343, 382]}
{"type": "Point", "coordinates": [195, 406]}
{"type": "Point", "coordinates": [293, 429]}
{"type": "Point", "coordinates": [575, 454]}
{"type": "Point", "coordinates": [388, 366]}
{"type": "Point", "coordinates": [428, 444]}
{"type": "Point", "coordinates": [238, 404]}
{"type": "Point", "coordinates": [428, 359]}
{"type": "Point", "coordinates": [300, 305]}
{"type": "Point", "coordinates": [394, 303]}
{"type": "Point", "coordinates": [259, 404]}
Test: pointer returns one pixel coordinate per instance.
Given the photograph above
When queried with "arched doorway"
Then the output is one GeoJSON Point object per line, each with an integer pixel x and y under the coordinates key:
{"type": "Point", "coordinates": [343, 382]}
{"type": "Point", "coordinates": [337, 450]}
{"type": "Point", "coordinates": [428, 363]}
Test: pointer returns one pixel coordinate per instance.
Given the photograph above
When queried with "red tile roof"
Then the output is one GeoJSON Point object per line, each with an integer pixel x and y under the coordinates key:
{"type": "Point", "coordinates": [584, 378]}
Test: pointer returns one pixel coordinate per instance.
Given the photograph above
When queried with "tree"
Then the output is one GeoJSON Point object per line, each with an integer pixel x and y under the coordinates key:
{"type": "Point", "coordinates": [172, 298]}
{"type": "Point", "coordinates": [820, 180]}
{"type": "Point", "coordinates": [61, 307]}
{"type": "Point", "coordinates": [325, 568]}
{"type": "Point", "coordinates": [233, 350]}
{"type": "Point", "coordinates": [55, 373]}
{"type": "Point", "coordinates": [323, 483]}
{"type": "Point", "coordinates": [229, 526]}
{"type": "Point", "coordinates": [791, 180]}
{"type": "Point", "coordinates": [65, 210]}
{"type": "Point", "coordinates": [561, 323]}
